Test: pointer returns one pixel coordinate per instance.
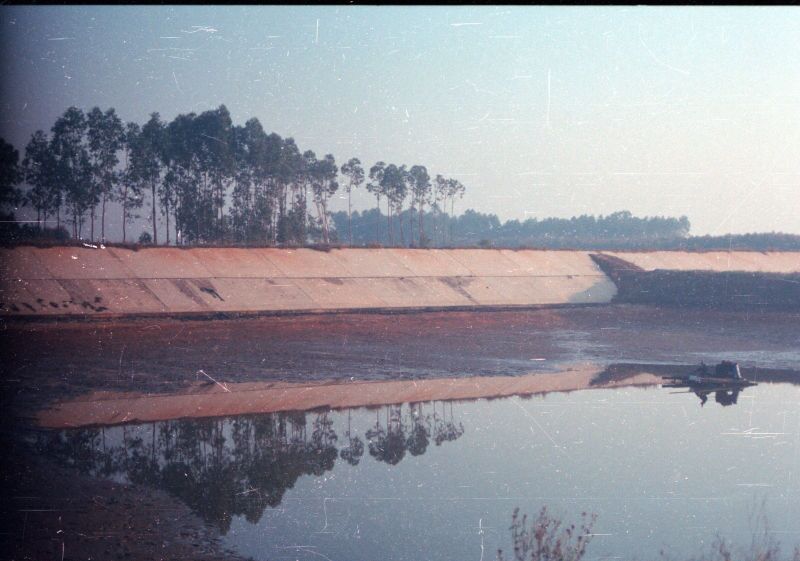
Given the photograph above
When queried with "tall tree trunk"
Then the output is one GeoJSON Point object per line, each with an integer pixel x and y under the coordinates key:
{"type": "Point", "coordinates": [103, 219]}
{"type": "Point", "coordinates": [378, 223]}
{"type": "Point", "coordinates": [166, 213]}
{"type": "Point", "coordinates": [421, 233]}
{"type": "Point", "coordinates": [91, 229]}
{"type": "Point", "coordinates": [124, 212]}
{"type": "Point", "coordinates": [400, 220]}
{"type": "Point", "coordinates": [389, 220]}
{"type": "Point", "coordinates": [434, 218]}
{"type": "Point", "coordinates": [411, 227]}
{"type": "Point", "coordinates": [444, 221]}
{"type": "Point", "coordinates": [319, 215]}
{"type": "Point", "coordinates": [350, 216]}
{"type": "Point", "coordinates": [438, 223]}
{"type": "Point", "coordinates": [155, 226]}
{"type": "Point", "coordinates": [325, 221]}
{"type": "Point", "coordinates": [452, 206]}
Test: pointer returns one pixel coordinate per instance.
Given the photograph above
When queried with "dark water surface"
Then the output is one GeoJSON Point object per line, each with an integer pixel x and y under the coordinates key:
{"type": "Point", "coordinates": [440, 480]}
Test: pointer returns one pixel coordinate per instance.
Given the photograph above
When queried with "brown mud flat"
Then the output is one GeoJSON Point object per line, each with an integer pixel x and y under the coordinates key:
{"type": "Point", "coordinates": [48, 362]}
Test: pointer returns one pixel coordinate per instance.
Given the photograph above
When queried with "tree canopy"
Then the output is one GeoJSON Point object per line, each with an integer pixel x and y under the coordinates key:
{"type": "Point", "coordinates": [201, 179]}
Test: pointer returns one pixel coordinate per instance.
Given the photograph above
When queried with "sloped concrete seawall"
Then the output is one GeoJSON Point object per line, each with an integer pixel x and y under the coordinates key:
{"type": "Point", "coordinates": [80, 281]}
{"type": "Point", "coordinates": [206, 282]}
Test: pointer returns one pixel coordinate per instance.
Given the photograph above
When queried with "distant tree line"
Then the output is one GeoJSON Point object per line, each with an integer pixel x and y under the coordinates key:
{"type": "Point", "coordinates": [209, 180]}
{"type": "Point", "coordinates": [478, 229]}
{"type": "Point", "coordinates": [620, 230]}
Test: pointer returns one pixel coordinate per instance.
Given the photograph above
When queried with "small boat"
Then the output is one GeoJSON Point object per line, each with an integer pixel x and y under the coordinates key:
{"type": "Point", "coordinates": [725, 374]}
{"type": "Point", "coordinates": [725, 382]}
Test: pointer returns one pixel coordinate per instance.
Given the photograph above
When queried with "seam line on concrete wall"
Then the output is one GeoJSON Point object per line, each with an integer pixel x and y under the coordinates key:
{"type": "Point", "coordinates": [300, 288]}
{"type": "Point", "coordinates": [311, 278]}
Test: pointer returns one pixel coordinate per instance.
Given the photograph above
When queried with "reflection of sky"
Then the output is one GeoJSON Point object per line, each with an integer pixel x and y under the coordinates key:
{"type": "Point", "coordinates": [540, 111]}
{"type": "Point", "coordinates": [658, 469]}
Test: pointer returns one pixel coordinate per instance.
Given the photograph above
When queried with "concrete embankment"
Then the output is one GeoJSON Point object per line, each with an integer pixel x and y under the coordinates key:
{"type": "Point", "coordinates": [80, 281]}
{"type": "Point", "coordinates": [205, 282]}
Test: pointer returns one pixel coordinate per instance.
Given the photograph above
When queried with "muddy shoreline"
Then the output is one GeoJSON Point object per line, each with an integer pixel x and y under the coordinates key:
{"type": "Point", "coordinates": [48, 361]}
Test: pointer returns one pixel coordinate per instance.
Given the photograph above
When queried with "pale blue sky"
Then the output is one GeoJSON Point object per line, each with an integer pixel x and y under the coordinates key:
{"type": "Point", "coordinates": [540, 111]}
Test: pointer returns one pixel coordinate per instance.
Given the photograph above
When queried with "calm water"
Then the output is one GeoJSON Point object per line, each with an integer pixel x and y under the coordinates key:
{"type": "Point", "coordinates": [441, 480]}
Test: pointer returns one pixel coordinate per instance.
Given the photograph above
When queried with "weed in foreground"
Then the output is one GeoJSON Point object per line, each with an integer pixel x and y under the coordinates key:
{"type": "Point", "coordinates": [547, 539]}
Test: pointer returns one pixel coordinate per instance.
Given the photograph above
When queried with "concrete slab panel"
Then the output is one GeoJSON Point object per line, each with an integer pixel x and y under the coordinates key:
{"type": "Point", "coordinates": [534, 291]}
{"type": "Point", "coordinates": [552, 263]}
{"type": "Point", "coordinates": [428, 262]}
{"type": "Point", "coordinates": [207, 292]}
{"type": "Point", "coordinates": [112, 296]}
{"type": "Point", "coordinates": [306, 263]}
{"type": "Point", "coordinates": [81, 263]}
{"type": "Point", "coordinates": [21, 263]}
{"type": "Point", "coordinates": [161, 263]}
{"type": "Point", "coordinates": [411, 292]}
{"type": "Point", "coordinates": [38, 297]}
{"type": "Point", "coordinates": [261, 294]}
{"type": "Point", "coordinates": [178, 295]}
{"type": "Point", "coordinates": [371, 263]}
{"type": "Point", "coordinates": [235, 262]}
{"type": "Point", "coordinates": [485, 262]}
{"type": "Point", "coordinates": [335, 293]}
{"type": "Point", "coordinates": [15, 298]}
{"type": "Point", "coordinates": [589, 290]}
{"type": "Point", "coordinates": [438, 293]}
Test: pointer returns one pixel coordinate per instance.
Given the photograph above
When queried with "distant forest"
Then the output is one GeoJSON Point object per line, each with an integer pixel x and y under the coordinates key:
{"type": "Point", "coordinates": [620, 230]}
{"type": "Point", "coordinates": [215, 183]}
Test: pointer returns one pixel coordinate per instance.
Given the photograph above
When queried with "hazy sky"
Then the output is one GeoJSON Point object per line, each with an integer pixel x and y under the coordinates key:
{"type": "Point", "coordinates": [539, 111]}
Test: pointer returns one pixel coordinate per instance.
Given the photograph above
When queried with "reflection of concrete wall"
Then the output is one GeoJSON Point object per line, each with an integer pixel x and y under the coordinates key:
{"type": "Point", "coordinates": [86, 281]}
{"type": "Point", "coordinates": [210, 400]}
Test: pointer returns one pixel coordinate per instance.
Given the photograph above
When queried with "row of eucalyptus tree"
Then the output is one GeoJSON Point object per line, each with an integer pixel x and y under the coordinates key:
{"type": "Point", "coordinates": [397, 183]}
{"type": "Point", "coordinates": [206, 179]}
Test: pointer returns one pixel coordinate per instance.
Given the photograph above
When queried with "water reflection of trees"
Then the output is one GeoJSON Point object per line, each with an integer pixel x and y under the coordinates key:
{"type": "Point", "coordinates": [223, 468]}
{"type": "Point", "coordinates": [388, 442]}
